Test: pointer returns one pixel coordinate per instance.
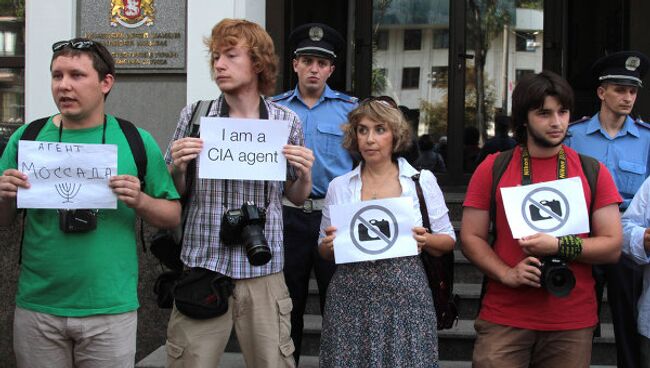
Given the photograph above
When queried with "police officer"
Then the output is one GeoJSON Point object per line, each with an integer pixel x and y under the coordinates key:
{"type": "Point", "coordinates": [623, 144]}
{"type": "Point", "coordinates": [316, 48]}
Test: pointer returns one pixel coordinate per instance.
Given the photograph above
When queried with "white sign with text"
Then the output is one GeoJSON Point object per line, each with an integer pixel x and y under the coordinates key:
{"type": "Point", "coordinates": [67, 175]}
{"type": "Point", "coordinates": [245, 149]}
{"type": "Point", "coordinates": [376, 229]}
{"type": "Point", "coordinates": [555, 207]}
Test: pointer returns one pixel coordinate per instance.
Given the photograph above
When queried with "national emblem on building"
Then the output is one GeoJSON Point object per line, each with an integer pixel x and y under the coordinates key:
{"type": "Point", "coordinates": [132, 13]}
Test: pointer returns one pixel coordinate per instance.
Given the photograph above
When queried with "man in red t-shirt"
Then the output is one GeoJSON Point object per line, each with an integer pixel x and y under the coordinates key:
{"type": "Point", "coordinates": [522, 324]}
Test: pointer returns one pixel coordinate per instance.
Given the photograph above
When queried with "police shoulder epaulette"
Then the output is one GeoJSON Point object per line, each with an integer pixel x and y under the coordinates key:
{"type": "Point", "coordinates": [281, 96]}
{"type": "Point", "coordinates": [642, 123]}
{"type": "Point", "coordinates": [344, 97]}
{"type": "Point", "coordinates": [581, 120]}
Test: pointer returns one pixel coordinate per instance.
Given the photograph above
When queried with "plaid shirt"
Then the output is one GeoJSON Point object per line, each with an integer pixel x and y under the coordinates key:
{"type": "Point", "coordinates": [202, 246]}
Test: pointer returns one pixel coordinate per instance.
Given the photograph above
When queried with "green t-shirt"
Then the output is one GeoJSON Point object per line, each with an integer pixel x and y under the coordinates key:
{"type": "Point", "coordinates": [96, 272]}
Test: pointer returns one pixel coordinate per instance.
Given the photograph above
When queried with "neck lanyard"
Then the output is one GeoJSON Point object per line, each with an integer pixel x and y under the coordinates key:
{"type": "Point", "coordinates": [527, 169]}
{"type": "Point", "coordinates": [103, 130]}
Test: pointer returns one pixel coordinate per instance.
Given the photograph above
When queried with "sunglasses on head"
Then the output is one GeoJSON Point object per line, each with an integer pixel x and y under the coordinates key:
{"type": "Point", "coordinates": [79, 45]}
{"type": "Point", "coordinates": [382, 100]}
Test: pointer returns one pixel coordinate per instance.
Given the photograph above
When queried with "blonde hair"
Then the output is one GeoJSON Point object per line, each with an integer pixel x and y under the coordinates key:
{"type": "Point", "coordinates": [232, 32]}
{"type": "Point", "coordinates": [379, 111]}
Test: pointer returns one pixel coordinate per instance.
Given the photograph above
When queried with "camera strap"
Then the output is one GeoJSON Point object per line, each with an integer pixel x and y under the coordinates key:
{"type": "Point", "coordinates": [527, 168]}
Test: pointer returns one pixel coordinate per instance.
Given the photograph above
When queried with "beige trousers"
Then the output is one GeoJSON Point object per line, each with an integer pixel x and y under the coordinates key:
{"type": "Point", "coordinates": [102, 341]}
{"type": "Point", "coordinates": [259, 309]}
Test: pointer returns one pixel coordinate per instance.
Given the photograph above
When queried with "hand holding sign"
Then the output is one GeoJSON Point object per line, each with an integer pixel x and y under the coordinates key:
{"type": "Point", "coordinates": [10, 181]}
{"type": "Point", "coordinates": [301, 158]}
{"type": "Point", "coordinates": [326, 246]}
{"type": "Point", "coordinates": [185, 150]}
{"type": "Point", "coordinates": [127, 188]}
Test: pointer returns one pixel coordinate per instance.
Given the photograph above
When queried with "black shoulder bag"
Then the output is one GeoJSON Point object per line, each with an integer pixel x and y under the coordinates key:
{"type": "Point", "coordinates": [440, 273]}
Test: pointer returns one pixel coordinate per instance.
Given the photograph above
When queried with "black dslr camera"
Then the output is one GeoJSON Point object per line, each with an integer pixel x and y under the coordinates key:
{"type": "Point", "coordinates": [382, 225]}
{"type": "Point", "coordinates": [246, 226]}
{"type": "Point", "coordinates": [77, 221]}
{"type": "Point", "coordinates": [557, 278]}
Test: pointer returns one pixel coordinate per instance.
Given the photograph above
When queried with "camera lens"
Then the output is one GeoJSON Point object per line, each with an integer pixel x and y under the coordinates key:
{"type": "Point", "coordinates": [559, 280]}
{"type": "Point", "coordinates": [257, 249]}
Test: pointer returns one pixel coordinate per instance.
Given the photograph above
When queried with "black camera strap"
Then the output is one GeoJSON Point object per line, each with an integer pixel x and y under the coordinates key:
{"type": "Point", "coordinates": [527, 168]}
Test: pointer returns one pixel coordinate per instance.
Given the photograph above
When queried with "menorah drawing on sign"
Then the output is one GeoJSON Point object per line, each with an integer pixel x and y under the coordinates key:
{"type": "Point", "coordinates": [67, 191]}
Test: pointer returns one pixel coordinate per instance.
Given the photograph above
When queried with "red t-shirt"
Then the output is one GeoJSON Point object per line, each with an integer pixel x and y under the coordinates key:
{"type": "Point", "coordinates": [528, 307]}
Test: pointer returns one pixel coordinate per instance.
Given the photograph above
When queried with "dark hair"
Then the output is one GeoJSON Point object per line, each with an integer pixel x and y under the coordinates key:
{"type": "Point", "coordinates": [102, 59]}
{"type": "Point", "coordinates": [530, 94]}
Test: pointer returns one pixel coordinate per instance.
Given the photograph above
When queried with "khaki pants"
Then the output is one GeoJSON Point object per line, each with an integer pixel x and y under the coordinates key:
{"type": "Point", "coordinates": [102, 341]}
{"type": "Point", "coordinates": [505, 346]}
{"type": "Point", "coordinates": [260, 310]}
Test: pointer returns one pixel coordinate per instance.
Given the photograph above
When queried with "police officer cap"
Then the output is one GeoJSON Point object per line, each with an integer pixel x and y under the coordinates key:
{"type": "Point", "coordinates": [316, 39]}
{"type": "Point", "coordinates": [624, 67]}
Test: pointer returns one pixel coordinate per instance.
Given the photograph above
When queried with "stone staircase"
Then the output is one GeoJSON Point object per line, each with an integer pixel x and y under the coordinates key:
{"type": "Point", "coordinates": [455, 345]}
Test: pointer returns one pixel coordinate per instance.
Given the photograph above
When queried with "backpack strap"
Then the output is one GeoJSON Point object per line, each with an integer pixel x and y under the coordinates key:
{"type": "Point", "coordinates": [138, 150]}
{"type": "Point", "coordinates": [591, 169]}
{"type": "Point", "coordinates": [500, 165]}
{"type": "Point", "coordinates": [202, 108]}
{"type": "Point", "coordinates": [31, 131]}
{"type": "Point", "coordinates": [29, 134]}
{"type": "Point", "coordinates": [136, 144]}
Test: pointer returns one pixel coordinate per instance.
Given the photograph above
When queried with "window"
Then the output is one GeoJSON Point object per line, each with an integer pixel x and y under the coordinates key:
{"type": "Point", "coordinates": [412, 39]}
{"type": "Point", "coordinates": [410, 78]}
{"type": "Point", "coordinates": [382, 39]}
{"type": "Point", "coordinates": [438, 77]}
{"type": "Point", "coordinates": [440, 38]}
{"type": "Point", "coordinates": [12, 68]}
{"type": "Point", "coordinates": [527, 41]}
{"type": "Point", "coordinates": [520, 73]}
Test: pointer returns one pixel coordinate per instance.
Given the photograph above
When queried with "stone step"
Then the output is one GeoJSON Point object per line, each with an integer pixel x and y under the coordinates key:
{"type": "Point", "coordinates": [236, 360]}
{"type": "Point", "coordinates": [455, 344]}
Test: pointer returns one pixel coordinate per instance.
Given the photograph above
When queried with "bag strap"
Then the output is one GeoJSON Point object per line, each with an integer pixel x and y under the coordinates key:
{"type": "Point", "coordinates": [136, 144]}
{"type": "Point", "coordinates": [591, 169]}
{"type": "Point", "coordinates": [423, 204]}
{"type": "Point", "coordinates": [29, 134]}
{"type": "Point", "coordinates": [202, 108]}
{"type": "Point", "coordinates": [500, 165]}
{"type": "Point", "coordinates": [138, 150]}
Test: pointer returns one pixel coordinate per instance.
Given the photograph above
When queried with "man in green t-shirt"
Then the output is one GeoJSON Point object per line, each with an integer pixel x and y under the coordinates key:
{"type": "Point", "coordinates": [77, 292]}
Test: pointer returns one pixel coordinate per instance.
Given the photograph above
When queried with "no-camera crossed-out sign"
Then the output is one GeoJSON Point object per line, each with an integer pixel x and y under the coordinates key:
{"type": "Point", "coordinates": [556, 207]}
{"type": "Point", "coordinates": [372, 230]}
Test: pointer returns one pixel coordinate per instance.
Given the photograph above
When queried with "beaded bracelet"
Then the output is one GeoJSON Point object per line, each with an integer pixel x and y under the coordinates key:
{"type": "Point", "coordinates": [569, 247]}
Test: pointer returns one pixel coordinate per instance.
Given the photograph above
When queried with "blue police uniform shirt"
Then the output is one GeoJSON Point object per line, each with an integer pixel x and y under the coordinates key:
{"type": "Point", "coordinates": [323, 134]}
{"type": "Point", "coordinates": [626, 156]}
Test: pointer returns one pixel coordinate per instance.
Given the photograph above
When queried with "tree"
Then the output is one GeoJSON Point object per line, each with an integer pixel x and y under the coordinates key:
{"type": "Point", "coordinates": [486, 21]}
{"type": "Point", "coordinates": [435, 115]}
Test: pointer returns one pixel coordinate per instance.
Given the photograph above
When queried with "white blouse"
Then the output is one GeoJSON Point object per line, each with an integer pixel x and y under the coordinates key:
{"type": "Point", "coordinates": [347, 189]}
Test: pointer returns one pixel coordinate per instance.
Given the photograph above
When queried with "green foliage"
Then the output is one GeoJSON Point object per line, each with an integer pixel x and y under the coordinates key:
{"type": "Point", "coordinates": [435, 115]}
{"type": "Point", "coordinates": [12, 8]}
{"type": "Point", "coordinates": [530, 4]}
